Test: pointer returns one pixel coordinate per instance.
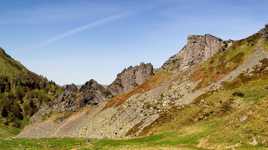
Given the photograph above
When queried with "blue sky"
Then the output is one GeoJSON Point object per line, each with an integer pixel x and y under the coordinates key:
{"type": "Point", "coordinates": [72, 41]}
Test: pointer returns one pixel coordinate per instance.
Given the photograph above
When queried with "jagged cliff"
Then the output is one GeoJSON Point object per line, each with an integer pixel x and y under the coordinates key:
{"type": "Point", "coordinates": [198, 49]}
{"type": "Point", "coordinates": [206, 65]}
{"type": "Point", "coordinates": [92, 93]}
{"type": "Point", "coordinates": [130, 78]}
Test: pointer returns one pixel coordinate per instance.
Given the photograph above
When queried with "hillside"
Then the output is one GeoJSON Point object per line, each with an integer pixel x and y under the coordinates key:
{"type": "Point", "coordinates": [21, 92]}
{"type": "Point", "coordinates": [212, 94]}
{"type": "Point", "coordinates": [9, 66]}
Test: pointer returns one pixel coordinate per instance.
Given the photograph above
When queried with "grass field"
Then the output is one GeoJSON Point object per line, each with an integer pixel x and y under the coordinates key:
{"type": "Point", "coordinates": [188, 138]}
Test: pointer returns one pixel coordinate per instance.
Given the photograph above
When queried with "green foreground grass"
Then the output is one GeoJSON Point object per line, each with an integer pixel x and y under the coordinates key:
{"type": "Point", "coordinates": [188, 138]}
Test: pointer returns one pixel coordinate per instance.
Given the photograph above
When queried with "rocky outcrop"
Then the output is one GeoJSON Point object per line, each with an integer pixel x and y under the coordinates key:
{"type": "Point", "coordinates": [198, 49]}
{"type": "Point", "coordinates": [67, 100]}
{"type": "Point", "coordinates": [73, 98]}
{"type": "Point", "coordinates": [130, 78]}
{"type": "Point", "coordinates": [93, 93]}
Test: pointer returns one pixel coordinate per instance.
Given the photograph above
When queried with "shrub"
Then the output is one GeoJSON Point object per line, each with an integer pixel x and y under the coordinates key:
{"type": "Point", "coordinates": [238, 93]}
{"type": "Point", "coordinates": [33, 101]}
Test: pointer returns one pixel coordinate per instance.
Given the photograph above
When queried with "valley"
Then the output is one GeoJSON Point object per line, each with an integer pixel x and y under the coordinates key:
{"type": "Point", "coordinates": [212, 94]}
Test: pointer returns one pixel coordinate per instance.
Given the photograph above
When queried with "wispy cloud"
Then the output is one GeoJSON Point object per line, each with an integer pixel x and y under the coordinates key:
{"type": "Point", "coordinates": [91, 25]}
{"type": "Point", "coordinates": [82, 28]}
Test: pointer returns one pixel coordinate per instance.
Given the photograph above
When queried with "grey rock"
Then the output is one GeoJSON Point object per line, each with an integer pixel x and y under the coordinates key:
{"type": "Point", "coordinates": [67, 100]}
{"type": "Point", "coordinates": [71, 88]}
{"type": "Point", "coordinates": [93, 93]}
{"type": "Point", "coordinates": [198, 49]}
{"type": "Point", "coordinates": [131, 77]}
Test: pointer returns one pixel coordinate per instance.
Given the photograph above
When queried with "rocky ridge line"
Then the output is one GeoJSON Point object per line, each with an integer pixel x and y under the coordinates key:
{"type": "Point", "coordinates": [198, 49]}
{"type": "Point", "coordinates": [131, 77]}
{"type": "Point", "coordinates": [93, 93]}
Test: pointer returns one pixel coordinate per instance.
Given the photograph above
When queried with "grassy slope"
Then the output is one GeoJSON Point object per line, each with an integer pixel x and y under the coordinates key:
{"type": "Point", "coordinates": [235, 115]}
{"type": "Point", "coordinates": [21, 92]}
{"type": "Point", "coordinates": [217, 118]}
{"type": "Point", "coordinates": [6, 131]}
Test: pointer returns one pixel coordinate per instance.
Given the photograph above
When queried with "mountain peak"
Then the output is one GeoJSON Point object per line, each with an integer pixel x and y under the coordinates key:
{"type": "Point", "coordinates": [131, 77]}
{"type": "Point", "coordinates": [201, 38]}
{"type": "Point", "coordinates": [198, 48]}
{"type": "Point", "coordinates": [91, 84]}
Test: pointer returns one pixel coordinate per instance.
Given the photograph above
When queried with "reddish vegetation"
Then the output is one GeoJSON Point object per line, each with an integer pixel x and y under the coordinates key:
{"type": "Point", "coordinates": [212, 74]}
{"type": "Point", "coordinates": [153, 82]}
{"type": "Point", "coordinates": [220, 65]}
{"type": "Point", "coordinates": [198, 74]}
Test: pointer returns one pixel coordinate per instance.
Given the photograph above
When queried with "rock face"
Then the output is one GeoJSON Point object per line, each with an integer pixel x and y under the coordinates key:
{"type": "Point", "coordinates": [73, 98]}
{"type": "Point", "coordinates": [93, 93]}
{"type": "Point", "coordinates": [67, 100]}
{"type": "Point", "coordinates": [130, 78]}
{"type": "Point", "coordinates": [198, 48]}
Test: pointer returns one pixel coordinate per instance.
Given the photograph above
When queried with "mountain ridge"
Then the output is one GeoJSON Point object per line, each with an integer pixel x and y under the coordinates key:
{"type": "Point", "coordinates": [204, 65]}
{"type": "Point", "coordinates": [212, 94]}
